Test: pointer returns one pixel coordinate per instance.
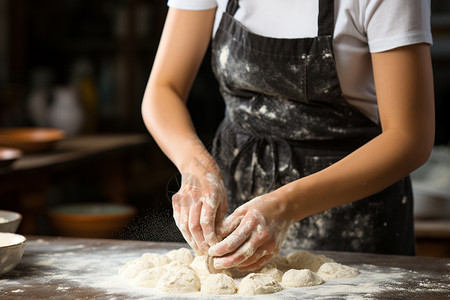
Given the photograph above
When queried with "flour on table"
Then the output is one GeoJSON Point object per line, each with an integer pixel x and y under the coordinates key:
{"type": "Point", "coordinates": [258, 284]}
{"type": "Point", "coordinates": [300, 278]}
{"type": "Point", "coordinates": [178, 282]}
{"type": "Point", "coordinates": [336, 271]}
{"type": "Point", "coordinates": [218, 284]}
{"type": "Point", "coordinates": [180, 271]}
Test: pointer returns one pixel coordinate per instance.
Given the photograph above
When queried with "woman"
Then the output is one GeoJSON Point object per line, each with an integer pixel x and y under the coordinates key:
{"type": "Point", "coordinates": [309, 152]}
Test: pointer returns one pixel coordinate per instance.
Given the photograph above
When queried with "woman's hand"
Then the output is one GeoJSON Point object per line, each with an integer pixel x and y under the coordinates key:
{"type": "Point", "coordinates": [200, 204]}
{"type": "Point", "coordinates": [254, 234]}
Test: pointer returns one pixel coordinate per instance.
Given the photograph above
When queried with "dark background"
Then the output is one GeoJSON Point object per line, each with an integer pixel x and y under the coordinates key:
{"type": "Point", "coordinates": [109, 46]}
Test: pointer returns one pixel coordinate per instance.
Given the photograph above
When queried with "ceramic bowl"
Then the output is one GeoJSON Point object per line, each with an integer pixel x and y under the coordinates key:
{"type": "Point", "coordinates": [11, 251]}
{"type": "Point", "coordinates": [30, 139]}
{"type": "Point", "coordinates": [96, 220]}
{"type": "Point", "coordinates": [9, 221]}
{"type": "Point", "coordinates": [8, 156]}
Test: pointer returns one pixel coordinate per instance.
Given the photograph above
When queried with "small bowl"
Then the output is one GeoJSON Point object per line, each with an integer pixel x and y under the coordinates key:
{"type": "Point", "coordinates": [9, 221]}
{"type": "Point", "coordinates": [11, 250]}
{"type": "Point", "coordinates": [95, 220]}
{"type": "Point", "coordinates": [30, 139]}
{"type": "Point", "coordinates": [8, 156]}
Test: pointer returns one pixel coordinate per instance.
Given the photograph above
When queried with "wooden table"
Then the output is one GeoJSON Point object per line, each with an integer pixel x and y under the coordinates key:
{"type": "Point", "coordinates": [27, 181]}
{"type": "Point", "coordinates": [70, 268]}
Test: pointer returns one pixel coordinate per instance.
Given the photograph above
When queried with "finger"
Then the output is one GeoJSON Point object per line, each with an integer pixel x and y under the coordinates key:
{"type": "Point", "coordinates": [258, 265]}
{"type": "Point", "coordinates": [235, 239]}
{"type": "Point", "coordinates": [229, 225]}
{"type": "Point", "coordinates": [208, 221]}
{"type": "Point", "coordinates": [184, 228]}
{"type": "Point", "coordinates": [235, 259]}
{"type": "Point", "coordinates": [195, 228]}
{"type": "Point", "coordinates": [264, 250]}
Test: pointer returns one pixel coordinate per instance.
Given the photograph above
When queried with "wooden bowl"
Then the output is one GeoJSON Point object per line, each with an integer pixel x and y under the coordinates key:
{"type": "Point", "coordinates": [97, 220]}
{"type": "Point", "coordinates": [30, 139]}
{"type": "Point", "coordinates": [8, 156]}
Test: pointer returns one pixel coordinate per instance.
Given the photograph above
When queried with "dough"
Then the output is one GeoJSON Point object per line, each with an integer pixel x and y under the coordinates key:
{"type": "Point", "coordinates": [149, 277]}
{"type": "Point", "coordinates": [300, 278]}
{"type": "Point", "coordinates": [181, 281]}
{"type": "Point", "coordinates": [218, 284]}
{"type": "Point", "coordinates": [175, 266]}
{"type": "Point", "coordinates": [183, 255]}
{"type": "Point", "coordinates": [306, 260]}
{"type": "Point", "coordinates": [272, 270]}
{"type": "Point", "coordinates": [336, 271]}
{"type": "Point", "coordinates": [132, 268]}
{"type": "Point", "coordinates": [280, 263]}
{"type": "Point", "coordinates": [257, 284]}
{"type": "Point", "coordinates": [199, 265]}
{"type": "Point", "coordinates": [158, 260]}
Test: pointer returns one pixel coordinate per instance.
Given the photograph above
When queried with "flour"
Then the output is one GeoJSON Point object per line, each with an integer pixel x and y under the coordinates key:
{"type": "Point", "coordinates": [9, 239]}
{"type": "Point", "coordinates": [3, 220]}
{"type": "Point", "coordinates": [94, 268]}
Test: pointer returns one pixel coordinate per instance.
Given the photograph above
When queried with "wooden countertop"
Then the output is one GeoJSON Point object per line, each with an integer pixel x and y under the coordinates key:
{"type": "Point", "coordinates": [72, 268]}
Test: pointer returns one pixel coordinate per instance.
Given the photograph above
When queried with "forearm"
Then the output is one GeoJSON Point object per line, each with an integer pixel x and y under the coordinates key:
{"type": "Point", "coordinates": [371, 168]}
{"type": "Point", "coordinates": [168, 120]}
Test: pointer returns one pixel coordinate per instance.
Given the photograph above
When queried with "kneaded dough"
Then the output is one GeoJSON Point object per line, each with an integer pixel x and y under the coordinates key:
{"type": "Point", "coordinates": [257, 284]}
{"type": "Point", "coordinates": [280, 262]}
{"type": "Point", "coordinates": [181, 281]}
{"type": "Point", "coordinates": [200, 266]}
{"type": "Point", "coordinates": [300, 278]}
{"type": "Point", "coordinates": [132, 268]}
{"type": "Point", "coordinates": [336, 271]}
{"type": "Point", "coordinates": [182, 255]}
{"type": "Point", "coordinates": [158, 260]}
{"type": "Point", "coordinates": [149, 278]}
{"type": "Point", "coordinates": [175, 266]}
{"type": "Point", "coordinates": [272, 270]}
{"type": "Point", "coordinates": [306, 260]}
{"type": "Point", "coordinates": [218, 284]}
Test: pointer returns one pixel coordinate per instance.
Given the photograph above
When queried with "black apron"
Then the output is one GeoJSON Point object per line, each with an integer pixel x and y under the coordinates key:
{"type": "Point", "coordinates": [286, 118]}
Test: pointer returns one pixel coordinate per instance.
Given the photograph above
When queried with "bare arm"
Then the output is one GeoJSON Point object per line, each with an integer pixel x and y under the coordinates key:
{"type": "Point", "coordinates": [404, 85]}
{"type": "Point", "coordinates": [201, 200]}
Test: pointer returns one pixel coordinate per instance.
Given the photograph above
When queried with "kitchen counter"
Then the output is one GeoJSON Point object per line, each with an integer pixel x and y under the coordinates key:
{"type": "Point", "coordinates": [73, 268]}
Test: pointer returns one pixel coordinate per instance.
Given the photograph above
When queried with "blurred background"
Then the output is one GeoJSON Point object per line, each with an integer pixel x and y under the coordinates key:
{"type": "Point", "coordinates": [93, 58]}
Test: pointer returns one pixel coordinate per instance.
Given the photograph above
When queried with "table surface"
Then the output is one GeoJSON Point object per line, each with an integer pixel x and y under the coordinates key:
{"type": "Point", "coordinates": [74, 149]}
{"type": "Point", "coordinates": [73, 268]}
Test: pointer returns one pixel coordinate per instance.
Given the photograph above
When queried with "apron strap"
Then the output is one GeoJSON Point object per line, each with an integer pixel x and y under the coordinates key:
{"type": "Point", "coordinates": [325, 20]}
{"type": "Point", "coordinates": [232, 7]}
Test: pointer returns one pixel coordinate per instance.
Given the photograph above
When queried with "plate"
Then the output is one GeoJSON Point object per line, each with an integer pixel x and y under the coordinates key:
{"type": "Point", "coordinates": [30, 139]}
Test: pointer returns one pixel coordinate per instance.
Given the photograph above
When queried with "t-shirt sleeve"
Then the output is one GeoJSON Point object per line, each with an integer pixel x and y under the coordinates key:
{"type": "Point", "coordinates": [192, 4]}
{"type": "Point", "coordinates": [395, 23]}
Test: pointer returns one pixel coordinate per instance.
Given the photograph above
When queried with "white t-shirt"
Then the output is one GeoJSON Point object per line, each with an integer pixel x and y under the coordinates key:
{"type": "Point", "coordinates": [361, 27]}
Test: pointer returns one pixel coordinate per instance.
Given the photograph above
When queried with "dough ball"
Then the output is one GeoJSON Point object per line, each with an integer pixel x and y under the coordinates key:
{"type": "Point", "coordinates": [132, 268]}
{"type": "Point", "coordinates": [200, 266]}
{"type": "Point", "coordinates": [218, 284]}
{"type": "Point", "coordinates": [158, 260]}
{"type": "Point", "coordinates": [175, 266]}
{"type": "Point", "coordinates": [300, 278]}
{"type": "Point", "coordinates": [273, 271]}
{"type": "Point", "coordinates": [257, 284]}
{"type": "Point", "coordinates": [336, 271]}
{"type": "Point", "coordinates": [149, 277]}
{"type": "Point", "coordinates": [182, 255]}
{"type": "Point", "coordinates": [306, 260]}
{"type": "Point", "coordinates": [280, 262]}
{"type": "Point", "coordinates": [181, 281]}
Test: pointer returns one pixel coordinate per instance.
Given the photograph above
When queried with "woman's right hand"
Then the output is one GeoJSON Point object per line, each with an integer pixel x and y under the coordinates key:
{"type": "Point", "coordinates": [200, 204]}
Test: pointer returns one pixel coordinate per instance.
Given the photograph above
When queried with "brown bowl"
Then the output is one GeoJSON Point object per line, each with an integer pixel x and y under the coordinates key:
{"type": "Point", "coordinates": [8, 156]}
{"type": "Point", "coordinates": [102, 220]}
{"type": "Point", "coordinates": [30, 139]}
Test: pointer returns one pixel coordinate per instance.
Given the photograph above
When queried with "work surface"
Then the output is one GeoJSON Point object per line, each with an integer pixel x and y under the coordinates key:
{"type": "Point", "coordinates": [70, 268]}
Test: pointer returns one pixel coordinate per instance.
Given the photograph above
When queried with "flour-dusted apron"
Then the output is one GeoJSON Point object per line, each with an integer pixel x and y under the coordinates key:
{"type": "Point", "coordinates": [286, 118]}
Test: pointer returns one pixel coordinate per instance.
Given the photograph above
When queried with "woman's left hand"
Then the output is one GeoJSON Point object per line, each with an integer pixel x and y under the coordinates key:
{"type": "Point", "coordinates": [253, 234]}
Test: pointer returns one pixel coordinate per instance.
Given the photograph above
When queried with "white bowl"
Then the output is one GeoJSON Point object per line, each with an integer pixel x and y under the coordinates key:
{"type": "Point", "coordinates": [11, 250]}
{"type": "Point", "coordinates": [9, 221]}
